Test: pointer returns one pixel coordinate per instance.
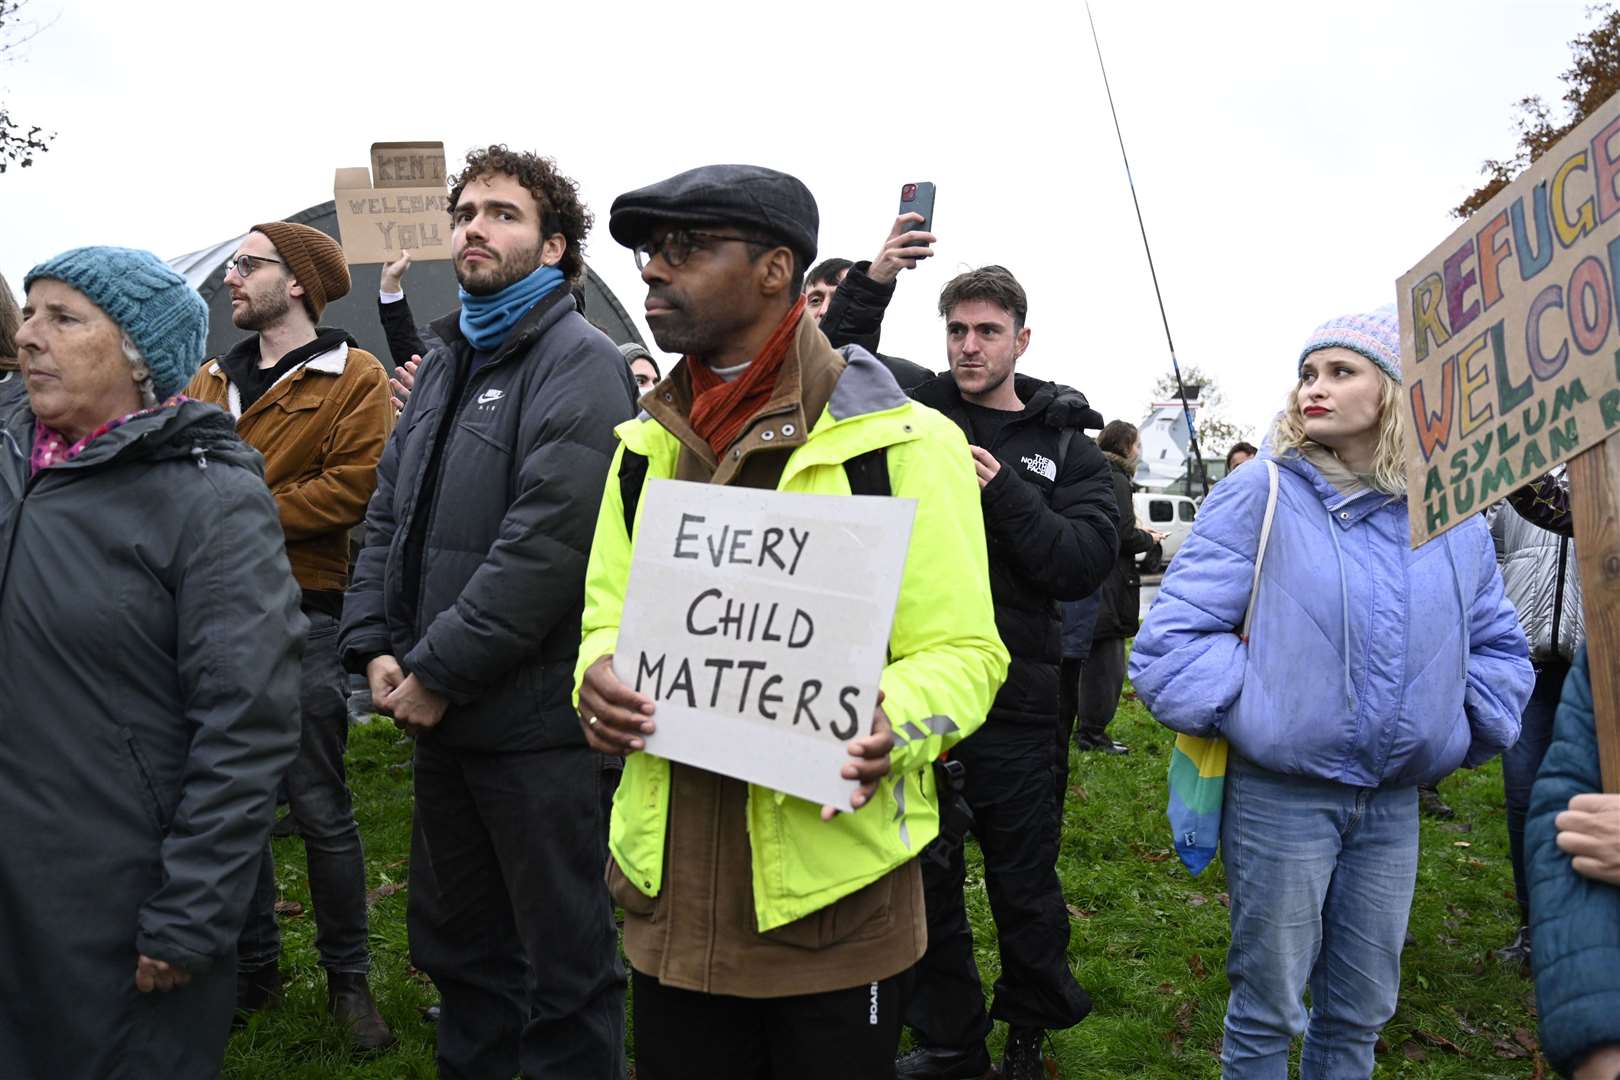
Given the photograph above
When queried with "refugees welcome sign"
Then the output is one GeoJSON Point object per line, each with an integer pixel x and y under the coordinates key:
{"type": "Point", "coordinates": [759, 622]}
{"type": "Point", "coordinates": [1510, 332]}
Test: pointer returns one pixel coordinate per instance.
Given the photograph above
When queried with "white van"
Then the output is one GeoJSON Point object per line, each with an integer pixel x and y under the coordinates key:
{"type": "Point", "coordinates": [1170, 514]}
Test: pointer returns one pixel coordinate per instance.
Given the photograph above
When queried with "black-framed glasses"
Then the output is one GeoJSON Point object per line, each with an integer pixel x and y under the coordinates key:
{"type": "Point", "coordinates": [677, 246]}
{"type": "Point", "coordinates": [244, 265]}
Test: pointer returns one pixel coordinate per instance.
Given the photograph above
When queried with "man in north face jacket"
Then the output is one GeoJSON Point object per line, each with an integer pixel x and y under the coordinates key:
{"type": "Point", "coordinates": [1050, 522]}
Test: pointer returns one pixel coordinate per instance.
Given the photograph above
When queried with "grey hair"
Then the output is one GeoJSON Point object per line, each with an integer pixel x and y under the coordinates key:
{"type": "Point", "coordinates": [143, 373]}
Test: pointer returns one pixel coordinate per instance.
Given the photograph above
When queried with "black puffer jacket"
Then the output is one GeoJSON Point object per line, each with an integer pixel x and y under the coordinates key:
{"type": "Point", "coordinates": [854, 316]}
{"type": "Point", "coordinates": [1050, 535]}
{"type": "Point", "coordinates": [1119, 612]}
{"type": "Point", "coordinates": [148, 709]}
{"type": "Point", "coordinates": [482, 603]}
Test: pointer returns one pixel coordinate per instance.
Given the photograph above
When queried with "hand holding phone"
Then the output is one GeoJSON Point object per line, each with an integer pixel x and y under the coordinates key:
{"type": "Point", "coordinates": [910, 239]}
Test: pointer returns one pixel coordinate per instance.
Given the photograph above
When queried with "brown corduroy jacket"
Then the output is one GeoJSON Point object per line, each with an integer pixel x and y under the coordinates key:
{"type": "Point", "coordinates": [321, 429]}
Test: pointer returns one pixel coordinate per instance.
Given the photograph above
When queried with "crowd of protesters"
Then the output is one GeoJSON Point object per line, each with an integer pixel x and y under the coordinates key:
{"type": "Point", "coordinates": [182, 614]}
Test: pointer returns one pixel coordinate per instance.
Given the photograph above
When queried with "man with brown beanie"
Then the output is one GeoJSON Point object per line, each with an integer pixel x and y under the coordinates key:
{"type": "Point", "coordinates": [316, 407]}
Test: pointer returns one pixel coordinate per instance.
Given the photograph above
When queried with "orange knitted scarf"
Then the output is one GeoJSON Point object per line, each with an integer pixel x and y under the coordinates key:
{"type": "Point", "coordinates": [720, 408]}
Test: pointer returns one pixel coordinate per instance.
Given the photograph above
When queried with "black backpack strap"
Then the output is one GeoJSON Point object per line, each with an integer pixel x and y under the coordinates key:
{"type": "Point", "coordinates": [632, 478]}
{"type": "Point", "coordinates": [868, 473]}
{"type": "Point", "coordinates": [1065, 437]}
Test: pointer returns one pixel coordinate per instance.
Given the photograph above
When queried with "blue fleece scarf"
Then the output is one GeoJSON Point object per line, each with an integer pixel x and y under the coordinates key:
{"type": "Point", "coordinates": [486, 320]}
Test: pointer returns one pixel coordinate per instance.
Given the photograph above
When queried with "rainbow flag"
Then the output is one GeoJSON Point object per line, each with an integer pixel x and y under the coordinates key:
{"type": "Point", "coordinates": [1197, 786]}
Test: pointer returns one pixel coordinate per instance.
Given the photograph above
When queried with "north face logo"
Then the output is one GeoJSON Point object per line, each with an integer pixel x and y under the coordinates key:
{"type": "Point", "coordinates": [490, 396]}
{"type": "Point", "coordinates": [1041, 465]}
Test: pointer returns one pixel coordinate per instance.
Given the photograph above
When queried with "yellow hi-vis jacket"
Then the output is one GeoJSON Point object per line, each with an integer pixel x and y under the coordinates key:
{"type": "Point", "coordinates": [946, 661]}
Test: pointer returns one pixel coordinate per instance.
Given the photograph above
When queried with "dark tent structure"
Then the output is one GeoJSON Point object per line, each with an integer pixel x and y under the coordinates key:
{"type": "Point", "coordinates": [430, 287]}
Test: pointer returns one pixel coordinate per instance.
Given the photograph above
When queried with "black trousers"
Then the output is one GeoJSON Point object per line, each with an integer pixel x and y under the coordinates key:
{"type": "Point", "coordinates": [1010, 777]}
{"type": "Point", "coordinates": [849, 1034]}
{"type": "Point", "coordinates": [1068, 712]}
{"type": "Point", "coordinates": [510, 917]}
{"type": "Point", "coordinates": [1101, 680]}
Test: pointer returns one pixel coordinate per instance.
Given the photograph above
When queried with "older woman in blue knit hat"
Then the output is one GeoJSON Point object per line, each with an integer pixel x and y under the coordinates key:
{"type": "Point", "coordinates": [149, 694]}
{"type": "Point", "coordinates": [1367, 669]}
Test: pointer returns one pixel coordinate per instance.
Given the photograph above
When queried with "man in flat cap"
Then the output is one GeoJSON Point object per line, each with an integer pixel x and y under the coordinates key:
{"type": "Point", "coordinates": [315, 405]}
{"type": "Point", "coordinates": [769, 937]}
{"type": "Point", "coordinates": [464, 615]}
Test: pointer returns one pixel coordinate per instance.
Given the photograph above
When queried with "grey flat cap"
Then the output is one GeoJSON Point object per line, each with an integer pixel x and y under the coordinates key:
{"type": "Point", "coordinates": [749, 196]}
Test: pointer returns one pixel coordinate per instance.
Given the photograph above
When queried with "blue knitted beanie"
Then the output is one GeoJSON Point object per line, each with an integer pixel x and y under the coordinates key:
{"type": "Point", "coordinates": [1375, 335]}
{"type": "Point", "coordinates": [162, 315]}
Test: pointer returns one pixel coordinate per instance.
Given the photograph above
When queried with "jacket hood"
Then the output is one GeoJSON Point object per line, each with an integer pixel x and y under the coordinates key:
{"type": "Point", "coordinates": [191, 429]}
{"type": "Point", "coordinates": [1119, 464]}
{"type": "Point", "coordinates": [1061, 406]}
{"type": "Point", "coordinates": [327, 337]}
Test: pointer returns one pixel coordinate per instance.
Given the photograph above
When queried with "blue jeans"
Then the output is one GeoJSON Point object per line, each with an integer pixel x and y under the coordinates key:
{"type": "Point", "coordinates": [1321, 877]}
{"type": "Point", "coordinates": [1521, 762]}
{"type": "Point", "coordinates": [319, 800]}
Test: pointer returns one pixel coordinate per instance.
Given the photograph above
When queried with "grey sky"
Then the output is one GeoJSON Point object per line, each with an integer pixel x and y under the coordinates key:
{"type": "Point", "coordinates": [1292, 159]}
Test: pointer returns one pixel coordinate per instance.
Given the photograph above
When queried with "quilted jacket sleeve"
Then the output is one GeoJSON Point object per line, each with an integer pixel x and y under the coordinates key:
{"type": "Point", "coordinates": [529, 582]}
{"type": "Point", "coordinates": [1576, 921]}
{"type": "Point", "coordinates": [1500, 677]}
{"type": "Point", "coordinates": [1187, 663]}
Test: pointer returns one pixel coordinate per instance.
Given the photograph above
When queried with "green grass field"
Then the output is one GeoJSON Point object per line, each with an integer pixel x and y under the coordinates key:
{"type": "Point", "coordinates": [1148, 942]}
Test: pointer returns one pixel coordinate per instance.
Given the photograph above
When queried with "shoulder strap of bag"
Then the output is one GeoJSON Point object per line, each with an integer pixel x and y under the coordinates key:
{"type": "Point", "coordinates": [1065, 437]}
{"type": "Point", "coordinates": [632, 477]}
{"type": "Point", "coordinates": [868, 473]}
{"type": "Point", "coordinates": [1265, 536]}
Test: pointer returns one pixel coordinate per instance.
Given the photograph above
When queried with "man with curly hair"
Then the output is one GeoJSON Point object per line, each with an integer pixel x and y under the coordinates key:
{"type": "Point", "coordinates": [464, 615]}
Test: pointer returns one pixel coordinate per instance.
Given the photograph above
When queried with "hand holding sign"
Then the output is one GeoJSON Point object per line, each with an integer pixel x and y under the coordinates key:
{"type": "Point", "coordinates": [613, 716]}
{"type": "Point", "coordinates": [872, 761]}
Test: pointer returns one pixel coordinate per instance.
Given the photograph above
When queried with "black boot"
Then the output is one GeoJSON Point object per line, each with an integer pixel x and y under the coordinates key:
{"type": "Point", "coordinates": [348, 999]}
{"type": "Point", "coordinates": [1021, 1058]}
{"type": "Point", "coordinates": [942, 1063]}
{"type": "Point", "coordinates": [257, 989]}
{"type": "Point", "coordinates": [1517, 951]}
{"type": "Point", "coordinates": [1432, 805]}
{"type": "Point", "coordinates": [1099, 742]}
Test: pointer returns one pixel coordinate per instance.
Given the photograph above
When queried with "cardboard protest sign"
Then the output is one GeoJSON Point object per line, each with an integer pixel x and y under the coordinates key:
{"type": "Point", "coordinates": [400, 204]}
{"type": "Point", "coordinates": [759, 622]}
{"type": "Point", "coordinates": [1510, 331]}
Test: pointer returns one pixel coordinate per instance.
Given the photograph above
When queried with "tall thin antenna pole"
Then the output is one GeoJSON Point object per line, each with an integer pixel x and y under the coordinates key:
{"type": "Point", "coordinates": [1181, 389]}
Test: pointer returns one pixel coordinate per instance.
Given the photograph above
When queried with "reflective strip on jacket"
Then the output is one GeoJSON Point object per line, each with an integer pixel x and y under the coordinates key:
{"type": "Point", "coordinates": [946, 660]}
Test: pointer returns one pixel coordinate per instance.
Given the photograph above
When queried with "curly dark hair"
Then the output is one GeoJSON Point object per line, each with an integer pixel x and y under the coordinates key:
{"type": "Point", "coordinates": [561, 210]}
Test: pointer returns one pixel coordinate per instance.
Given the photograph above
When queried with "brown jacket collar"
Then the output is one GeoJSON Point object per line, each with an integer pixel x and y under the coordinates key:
{"type": "Point", "coordinates": [809, 373]}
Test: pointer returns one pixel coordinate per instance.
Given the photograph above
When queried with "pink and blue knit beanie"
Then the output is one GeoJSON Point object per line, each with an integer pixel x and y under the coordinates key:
{"type": "Point", "coordinates": [1375, 335]}
{"type": "Point", "coordinates": [162, 315]}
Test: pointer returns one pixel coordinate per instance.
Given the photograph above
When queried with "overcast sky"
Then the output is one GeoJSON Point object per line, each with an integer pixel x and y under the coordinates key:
{"type": "Point", "coordinates": [1292, 159]}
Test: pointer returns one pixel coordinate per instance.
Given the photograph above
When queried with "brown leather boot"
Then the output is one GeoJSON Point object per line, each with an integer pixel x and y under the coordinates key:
{"type": "Point", "coordinates": [348, 999]}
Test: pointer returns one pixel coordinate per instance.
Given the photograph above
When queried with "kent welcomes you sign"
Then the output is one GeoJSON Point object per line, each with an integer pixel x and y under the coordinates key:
{"type": "Point", "coordinates": [759, 622]}
{"type": "Point", "coordinates": [401, 203]}
{"type": "Point", "coordinates": [1510, 332]}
